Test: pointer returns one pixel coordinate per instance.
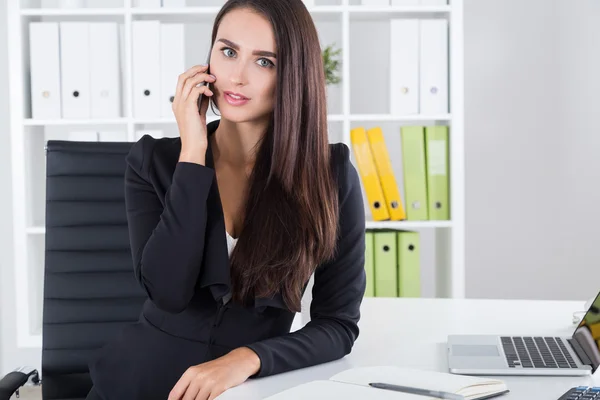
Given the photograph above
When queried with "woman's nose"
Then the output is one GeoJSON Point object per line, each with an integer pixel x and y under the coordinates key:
{"type": "Point", "coordinates": [238, 74]}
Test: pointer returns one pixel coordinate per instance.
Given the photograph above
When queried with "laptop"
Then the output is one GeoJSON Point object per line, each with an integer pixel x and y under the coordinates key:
{"type": "Point", "coordinates": [578, 354]}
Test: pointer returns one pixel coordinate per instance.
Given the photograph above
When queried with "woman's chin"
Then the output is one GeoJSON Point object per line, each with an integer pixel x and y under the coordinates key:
{"type": "Point", "coordinates": [234, 114]}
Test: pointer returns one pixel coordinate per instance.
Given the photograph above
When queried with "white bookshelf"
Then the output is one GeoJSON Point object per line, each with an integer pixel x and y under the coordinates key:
{"type": "Point", "coordinates": [28, 135]}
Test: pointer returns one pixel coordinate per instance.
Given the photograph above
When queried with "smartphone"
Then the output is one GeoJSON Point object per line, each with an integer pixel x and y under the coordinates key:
{"type": "Point", "coordinates": [204, 83]}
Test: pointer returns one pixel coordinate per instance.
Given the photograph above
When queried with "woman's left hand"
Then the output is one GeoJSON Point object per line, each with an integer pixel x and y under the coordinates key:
{"type": "Point", "coordinates": [208, 380]}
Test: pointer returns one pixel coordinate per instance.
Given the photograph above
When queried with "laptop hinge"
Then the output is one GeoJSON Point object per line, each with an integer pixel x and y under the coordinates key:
{"type": "Point", "coordinates": [579, 350]}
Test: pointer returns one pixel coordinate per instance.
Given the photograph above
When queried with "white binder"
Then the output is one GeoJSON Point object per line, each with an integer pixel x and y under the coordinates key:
{"type": "Point", "coordinates": [173, 3]}
{"type": "Point", "coordinates": [104, 70]}
{"type": "Point", "coordinates": [434, 2]}
{"type": "Point", "coordinates": [404, 66]}
{"type": "Point", "coordinates": [146, 68]}
{"type": "Point", "coordinates": [434, 66]}
{"type": "Point", "coordinates": [148, 3]}
{"type": "Point", "coordinates": [83, 136]}
{"type": "Point", "coordinates": [44, 56]}
{"type": "Point", "coordinates": [375, 2]}
{"type": "Point", "coordinates": [112, 136]}
{"type": "Point", "coordinates": [172, 63]}
{"type": "Point", "coordinates": [75, 69]}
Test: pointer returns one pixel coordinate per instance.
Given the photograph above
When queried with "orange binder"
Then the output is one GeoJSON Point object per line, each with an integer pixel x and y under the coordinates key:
{"type": "Point", "coordinates": [368, 174]}
{"type": "Point", "coordinates": [386, 174]}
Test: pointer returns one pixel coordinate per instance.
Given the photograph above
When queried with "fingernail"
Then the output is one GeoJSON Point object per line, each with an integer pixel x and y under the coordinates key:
{"type": "Point", "coordinates": [214, 77]}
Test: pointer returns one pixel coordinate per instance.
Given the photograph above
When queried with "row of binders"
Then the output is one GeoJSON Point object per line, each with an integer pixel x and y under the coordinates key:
{"type": "Point", "coordinates": [424, 178]}
{"type": "Point", "coordinates": [392, 263]}
{"type": "Point", "coordinates": [75, 68]}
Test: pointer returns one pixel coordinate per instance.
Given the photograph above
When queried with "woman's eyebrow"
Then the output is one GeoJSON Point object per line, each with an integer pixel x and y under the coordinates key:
{"type": "Point", "coordinates": [255, 52]}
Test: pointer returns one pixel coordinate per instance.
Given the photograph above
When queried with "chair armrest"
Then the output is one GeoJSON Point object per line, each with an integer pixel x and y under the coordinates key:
{"type": "Point", "coordinates": [14, 380]}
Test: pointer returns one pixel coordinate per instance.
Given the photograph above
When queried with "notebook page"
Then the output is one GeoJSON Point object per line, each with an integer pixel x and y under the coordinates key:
{"type": "Point", "coordinates": [424, 379]}
{"type": "Point", "coordinates": [476, 391]}
{"type": "Point", "coordinates": [327, 390]}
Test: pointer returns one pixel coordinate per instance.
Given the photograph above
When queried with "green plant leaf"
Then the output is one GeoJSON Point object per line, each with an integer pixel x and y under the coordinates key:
{"type": "Point", "coordinates": [331, 64]}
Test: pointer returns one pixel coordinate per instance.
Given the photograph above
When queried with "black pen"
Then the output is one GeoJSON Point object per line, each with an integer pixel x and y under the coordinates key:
{"type": "Point", "coordinates": [422, 392]}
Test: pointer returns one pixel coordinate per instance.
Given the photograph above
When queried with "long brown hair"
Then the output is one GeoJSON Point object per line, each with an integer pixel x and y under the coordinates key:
{"type": "Point", "coordinates": [291, 214]}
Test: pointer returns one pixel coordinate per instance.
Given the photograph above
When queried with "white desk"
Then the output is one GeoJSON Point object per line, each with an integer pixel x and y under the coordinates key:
{"type": "Point", "coordinates": [412, 333]}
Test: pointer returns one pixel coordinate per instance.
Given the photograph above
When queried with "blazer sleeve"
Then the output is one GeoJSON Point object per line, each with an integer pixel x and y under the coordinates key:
{"type": "Point", "coordinates": [167, 241]}
{"type": "Point", "coordinates": [339, 287]}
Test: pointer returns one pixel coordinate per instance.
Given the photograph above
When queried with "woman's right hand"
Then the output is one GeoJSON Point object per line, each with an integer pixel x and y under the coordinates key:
{"type": "Point", "coordinates": [191, 121]}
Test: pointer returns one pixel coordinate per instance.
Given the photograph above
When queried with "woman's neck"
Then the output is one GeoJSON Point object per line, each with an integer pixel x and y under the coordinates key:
{"type": "Point", "coordinates": [234, 144]}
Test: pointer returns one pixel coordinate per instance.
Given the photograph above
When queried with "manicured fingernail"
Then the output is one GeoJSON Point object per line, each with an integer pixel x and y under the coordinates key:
{"type": "Point", "coordinates": [212, 76]}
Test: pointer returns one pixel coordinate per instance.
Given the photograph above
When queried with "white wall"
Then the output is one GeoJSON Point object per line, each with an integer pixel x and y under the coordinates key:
{"type": "Point", "coordinates": [579, 62]}
{"type": "Point", "coordinates": [531, 150]}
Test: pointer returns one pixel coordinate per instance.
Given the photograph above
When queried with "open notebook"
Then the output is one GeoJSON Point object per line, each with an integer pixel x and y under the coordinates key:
{"type": "Point", "coordinates": [354, 384]}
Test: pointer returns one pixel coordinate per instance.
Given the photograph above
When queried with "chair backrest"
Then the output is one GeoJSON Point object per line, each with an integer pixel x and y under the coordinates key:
{"type": "Point", "coordinates": [90, 290]}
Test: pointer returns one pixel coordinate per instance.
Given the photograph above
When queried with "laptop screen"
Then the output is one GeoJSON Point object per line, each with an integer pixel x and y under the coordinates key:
{"type": "Point", "coordinates": [587, 333]}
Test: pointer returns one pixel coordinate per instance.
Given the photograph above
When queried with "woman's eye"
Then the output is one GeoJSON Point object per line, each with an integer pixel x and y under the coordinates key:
{"type": "Point", "coordinates": [228, 50]}
{"type": "Point", "coordinates": [265, 62]}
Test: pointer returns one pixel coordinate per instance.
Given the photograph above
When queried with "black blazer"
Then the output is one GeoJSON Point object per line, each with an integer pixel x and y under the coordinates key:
{"type": "Point", "coordinates": [179, 249]}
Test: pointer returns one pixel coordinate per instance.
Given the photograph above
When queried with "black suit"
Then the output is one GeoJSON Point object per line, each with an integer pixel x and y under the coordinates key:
{"type": "Point", "coordinates": [178, 242]}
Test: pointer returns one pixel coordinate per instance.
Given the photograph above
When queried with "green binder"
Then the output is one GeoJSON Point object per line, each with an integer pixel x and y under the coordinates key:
{"type": "Point", "coordinates": [369, 265]}
{"type": "Point", "coordinates": [386, 274]}
{"type": "Point", "coordinates": [415, 179]}
{"type": "Point", "coordinates": [409, 264]}
{"type": "Point", "coordinates": [436, 150]}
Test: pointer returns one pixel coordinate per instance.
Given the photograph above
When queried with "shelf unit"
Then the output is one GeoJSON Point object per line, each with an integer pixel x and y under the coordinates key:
{"type": "Point", "coordinates": [213, 10]}
{"type": "Point", "coordinates": [27, 156]}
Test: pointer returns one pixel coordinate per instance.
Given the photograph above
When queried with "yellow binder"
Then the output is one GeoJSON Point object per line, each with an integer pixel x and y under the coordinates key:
{"type": "Point", "coordinates": [368, 174]}
{"type": "Point", "coordinates": [386, 174]}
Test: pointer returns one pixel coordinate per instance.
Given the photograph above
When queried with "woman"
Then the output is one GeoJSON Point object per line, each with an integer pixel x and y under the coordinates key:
{"type": "Point", "coordinates": [229, 221]}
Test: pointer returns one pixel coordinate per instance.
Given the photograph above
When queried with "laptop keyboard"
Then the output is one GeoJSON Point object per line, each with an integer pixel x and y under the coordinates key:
{"type": "Point", "coordinates": [581, 392]}
{"type": "Point", "coordinates": [536, 352]}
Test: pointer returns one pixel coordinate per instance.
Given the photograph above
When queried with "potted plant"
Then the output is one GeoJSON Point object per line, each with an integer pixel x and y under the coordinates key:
{"type": "Point", "coordinates": [331, 64]}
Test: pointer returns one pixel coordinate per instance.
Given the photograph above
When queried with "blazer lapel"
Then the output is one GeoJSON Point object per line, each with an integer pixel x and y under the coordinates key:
{"type": "Point", "coordinates": [216, 268]}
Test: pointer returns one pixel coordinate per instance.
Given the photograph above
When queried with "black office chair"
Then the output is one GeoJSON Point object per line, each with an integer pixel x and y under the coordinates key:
{"type": "Point", "coordinates": [90, 291]}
